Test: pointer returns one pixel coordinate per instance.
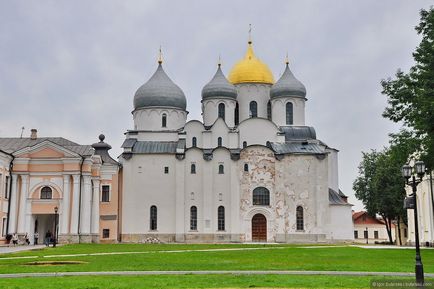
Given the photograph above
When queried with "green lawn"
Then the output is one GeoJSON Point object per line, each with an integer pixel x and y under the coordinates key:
{"type": "Point", "coordinates": [178, 257]}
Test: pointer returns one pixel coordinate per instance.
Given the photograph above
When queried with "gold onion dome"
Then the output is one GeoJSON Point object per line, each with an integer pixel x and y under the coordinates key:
{"type": "Point", "coordinates": [250, 69]}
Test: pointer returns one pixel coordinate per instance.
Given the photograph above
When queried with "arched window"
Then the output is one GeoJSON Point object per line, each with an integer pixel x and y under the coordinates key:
{"type": "Point", "coordinates": [219, 141]}
{"type": "Point", "coordinates": [221, 169]}
{"type": "Point", "coordinates": [193, 218]}
{"type": "Point", "coordinates": [153, 219]}
{"type": "Point", "coordinates": [164, 120]}
{"type": "Point", "coordinates": [244, 144]}
{"type": "Point", "coordinates": [299, 217]}
{"type": "Point", "coordinates": [269, 110]}
{"type": "Point", "coordinates": [253, 109]}
{"type": "Point", "coordinates": [246, 167]}
{"type": "Point", "coordinates": [237, 114]}
{"type": "Point", "coordinates": [289, 113]}
{"type": "Point", "coordinates": [222, 111]}
{"type": "Point", "coordinates": [193, 168]}
{"type": "Point", "coordinates": [261, 196]}
{"type": "Point", "coordinates": [221, 218]}
{"type": "Point", "coordinates": [194, 142]}
{"type": "Point", "coordinates": [46, 193]}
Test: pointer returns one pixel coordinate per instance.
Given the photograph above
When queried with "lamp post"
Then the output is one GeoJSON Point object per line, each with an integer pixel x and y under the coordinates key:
{"type": "Point", "coordinates": [55, 226]}
{"type": "Point", "coordinates": [367, 235]}
{"type": "Point", "coordinates": [407, 172]}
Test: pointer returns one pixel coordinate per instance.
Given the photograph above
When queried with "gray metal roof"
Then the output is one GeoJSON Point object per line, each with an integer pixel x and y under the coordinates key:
{"type": "Point", "coordinates": [296, 148]}
{"type": "Point", "coordinates": [101, 149]}
{"type": "Point", "coordinates": [129, 143]}
{"type": "Point", "coordinates": [298, 132]}
{"type": "Point", "coordinates": [335, 199]}
{"type": "Point", "coordinates": [288, 86]}
{"type": "Point", "coordinates": [11, 145]}
{"type": "Point", "coordinates": [219, 86]}
{"type": "Point", "coordinates": [160, 90]}
{"type": "Point", "coordinates": [155, 147]}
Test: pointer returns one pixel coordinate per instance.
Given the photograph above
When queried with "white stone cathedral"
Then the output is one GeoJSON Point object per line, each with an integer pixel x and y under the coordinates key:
{"type": "Point", "coordinates": [251, 171]}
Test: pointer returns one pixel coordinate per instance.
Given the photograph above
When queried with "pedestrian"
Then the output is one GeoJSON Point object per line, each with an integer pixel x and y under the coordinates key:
{"type": "Point", "coordinates": [26, 238]}
{"type": "Point", "coordinates": [15, 239]}
{"type": "Point", "coordinates": [36, 237]}
{"type": "Point", "coordinates": [47, 238]}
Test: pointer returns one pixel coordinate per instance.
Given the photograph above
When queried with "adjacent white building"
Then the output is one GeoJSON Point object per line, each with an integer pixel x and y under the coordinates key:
{"type": "Point", "coordinates": [251, 170]}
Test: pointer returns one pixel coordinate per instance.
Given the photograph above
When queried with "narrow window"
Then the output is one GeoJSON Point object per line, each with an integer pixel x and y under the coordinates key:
{"type": "Point", "coordinates": [356, 234]}
{"type": "Point", "coordinates": [289, 113]}
{"type": "Point", "coordinates": [166, 170]}
{"type": "Point", "coordinates": [366, 235]}
{"type": "Point", "coordinates": [105, 194]}
{"type": "Point", "coordinates": [300, 220]}
{"type": "Point", "coordinates": [193, 218]}
{"type": "Point", "coordinates": [194, 142]}
{"type": "Point", "coordinates": [164, 120]}
{"type": "Point", "coordinates": [105, 233]}
{"type": "Point", "coordinates": [405, 233]}
{"type": "Point", "coordinates": [244, 144]}
{"type": "Point", "coordinates": [269, 110]}
{"type": "Point", "coordinates": [237, 114]}
{"type": "Point", "coordinates": [7, 187]}
{"type": "Point", "coordinates": [4, 224]}
{"type": "Point", "coordinates": [46, 193]}
{"type": "Point", "coordinates": [219, 142]}
{"type": "Point", "coordinates": [246, 167]}
{"type": "Point", "coordinates": [193, 168]}
{"type": "Point", "coordinates": [221, 218]}
{"type": "Point", "coordinates": [375, 234]}
{"type": "Point", "coordinates": [221, 112]}
{"type": "Point", "coordinates": [253, 109]}
{"type": "Point", "coordinates": [221, 169]}
{"type": "Point", "coordinates": [153, 219]}
{"type": "Point", "coordinates": [261, 196]}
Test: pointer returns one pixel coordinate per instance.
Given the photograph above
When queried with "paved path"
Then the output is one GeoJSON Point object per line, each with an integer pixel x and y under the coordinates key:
{"type": "Point", "coordinates": [19, 248]}
{"type": "Point", "coordinates": [135, 273]}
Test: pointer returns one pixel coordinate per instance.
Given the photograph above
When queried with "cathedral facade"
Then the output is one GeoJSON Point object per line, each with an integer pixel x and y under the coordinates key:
{"type": "Point", "coordinates": [250, 171]}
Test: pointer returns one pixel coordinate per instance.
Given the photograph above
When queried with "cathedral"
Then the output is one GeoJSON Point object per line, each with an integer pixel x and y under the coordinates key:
{"type": "Point", "coordinates": [250, 171]}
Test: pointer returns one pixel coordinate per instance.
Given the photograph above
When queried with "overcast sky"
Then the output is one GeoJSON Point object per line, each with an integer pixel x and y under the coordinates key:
{"type": "Point", "coordinates": [71, 68]}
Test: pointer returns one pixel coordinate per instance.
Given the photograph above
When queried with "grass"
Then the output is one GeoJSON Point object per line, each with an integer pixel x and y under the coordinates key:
{"type": "Point", "coordinates": [193, 281]}
{"type": "Point", "coordinates": [156, 257]}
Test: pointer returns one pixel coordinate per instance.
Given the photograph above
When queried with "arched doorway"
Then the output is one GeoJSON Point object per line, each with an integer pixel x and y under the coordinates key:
{"type": "Point", "coordinates": [259, 228]}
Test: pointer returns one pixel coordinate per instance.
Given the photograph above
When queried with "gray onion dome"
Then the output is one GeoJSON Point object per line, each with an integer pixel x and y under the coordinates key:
{"type": "Point", "coordinates": [288, 85]}
{"type": "Point", "coordinates": [219, 86]}
{"type": "Point", "coordinates": [159, 90]}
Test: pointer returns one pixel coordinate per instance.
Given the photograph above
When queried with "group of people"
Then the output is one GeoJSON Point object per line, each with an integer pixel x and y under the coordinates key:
{"type": "Point", "coordinates": [48, 238]}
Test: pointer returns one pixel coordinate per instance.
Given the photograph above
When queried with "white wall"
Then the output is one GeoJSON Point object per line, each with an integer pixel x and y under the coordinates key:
{"type": "Point", "coordinates": [151, 118]}
{"type": "Point", "coordinates": [278, 108]}
{"type": "Point", "coordinates": [248, 92]}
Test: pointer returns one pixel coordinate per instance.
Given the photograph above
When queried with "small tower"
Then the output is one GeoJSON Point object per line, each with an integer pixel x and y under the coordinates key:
{"type": "Point", "coordinates": [219, 99]}
{"type": "Point", "coordinates": [159, 104]}
{"type": "Point", "coordinates": [252, 79]}
{"type": "Point", "coordinates": [288, 97]}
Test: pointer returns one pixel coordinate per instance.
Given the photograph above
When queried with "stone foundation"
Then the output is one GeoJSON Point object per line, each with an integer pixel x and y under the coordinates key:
{"type": "Point", "coordinates": [85, 238]}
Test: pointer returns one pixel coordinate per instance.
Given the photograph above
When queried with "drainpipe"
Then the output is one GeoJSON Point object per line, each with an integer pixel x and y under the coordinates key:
{"type": "Point", "coordinates": [432, 195]}
{"type": "Point", "coordinates": [10, 190]}
{"type": "Point", "coordinates": [79, 193]}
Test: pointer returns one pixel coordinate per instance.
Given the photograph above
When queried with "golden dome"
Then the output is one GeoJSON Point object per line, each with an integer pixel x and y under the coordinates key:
{"type": "Point", "coordinates": [250, 69]}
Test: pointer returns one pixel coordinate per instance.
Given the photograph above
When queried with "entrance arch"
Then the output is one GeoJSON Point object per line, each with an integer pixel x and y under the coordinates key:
{"type": "Point", "coordinates": [259, 228]}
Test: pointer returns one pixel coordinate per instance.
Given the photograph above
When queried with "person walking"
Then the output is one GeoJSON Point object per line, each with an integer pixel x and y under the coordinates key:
{"type": "Point", "coordinates": [26, 238]}
{"type": "Point", "coordinates": [15, 239]}
{"type": "Point", "coordinates": [47, 238]}
{"type": "Point", "coordinates": [36, 237]}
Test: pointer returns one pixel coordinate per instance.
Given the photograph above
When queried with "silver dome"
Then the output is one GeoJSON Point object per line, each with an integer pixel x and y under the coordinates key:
{"type": "Point", "coordinates": [288, 86]}
{"type": "Point", "coordinates": [219, 86]}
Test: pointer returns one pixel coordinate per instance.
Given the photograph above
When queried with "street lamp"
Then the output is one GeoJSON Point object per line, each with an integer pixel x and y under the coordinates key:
{"type": "Point", "coordinates": [55, 226]}
{"type": "Point", "coordinates": [407, 172]}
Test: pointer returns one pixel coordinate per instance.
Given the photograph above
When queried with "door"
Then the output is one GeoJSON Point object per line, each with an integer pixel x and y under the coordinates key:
{"type": "Point", "coordinates": [259, 228]}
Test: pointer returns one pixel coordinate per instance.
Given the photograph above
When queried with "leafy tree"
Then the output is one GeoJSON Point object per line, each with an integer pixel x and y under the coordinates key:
{"type": "Point", "coordinates": [411, 95]}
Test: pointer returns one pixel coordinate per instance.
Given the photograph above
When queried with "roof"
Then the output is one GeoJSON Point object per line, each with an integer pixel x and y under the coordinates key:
{"type": "Point", "coordinates": [160, 90]}
{"type": "Point", "coordinates": [364, 218]}
{"type": "Point", "coordinates": [335, 199]}
{"type": "Point", "coordinates": [298, 132]}
{"type": "Point", "coordinates": [101, 149]}
{"type": "Point", "coordinates": [296, 148]}
{"type": "Point", "coordinates": [11, 145]}
{"type": "Point", "coordinates": [288, 86]}
{"type": "Point", "coordinates": [154, 147]}
{"type": "Point", "coordinates": [219, 86]}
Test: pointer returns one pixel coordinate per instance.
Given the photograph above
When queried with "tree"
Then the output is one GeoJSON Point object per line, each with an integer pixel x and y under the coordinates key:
{"type": "Point", "coordinates": [411, 95]}
{"type": "Point", "coordinates": [380, 186]}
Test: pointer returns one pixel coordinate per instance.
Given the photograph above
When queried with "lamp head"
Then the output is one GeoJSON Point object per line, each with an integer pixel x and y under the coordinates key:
{"type": "Point", "coordinates": [420, 168]}
{"type": "Point", "coordinates": [406, 171]}
{"type": "Point", "coordinates": [56, 209]}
